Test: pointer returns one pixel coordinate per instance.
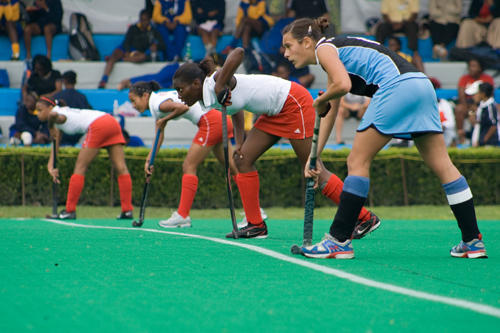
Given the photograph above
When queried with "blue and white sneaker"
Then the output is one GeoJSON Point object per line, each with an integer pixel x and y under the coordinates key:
{"type": "Point", "coordinates": [473, 249]}
{"type": "Point", "coordinates": [329, 247]}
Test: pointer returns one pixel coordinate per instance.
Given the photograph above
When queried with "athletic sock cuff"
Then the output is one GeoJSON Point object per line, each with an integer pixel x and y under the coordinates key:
{"type": "Point", "coordinates": [357, 185]}
{"type": "Point", "coordinates": [190, 179]}
{"type": "Point", "coordinates": [457, 191]}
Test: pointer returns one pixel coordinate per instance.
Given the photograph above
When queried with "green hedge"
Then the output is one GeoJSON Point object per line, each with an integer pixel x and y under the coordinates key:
{"type": "Point", "coordinates": [398, 177]}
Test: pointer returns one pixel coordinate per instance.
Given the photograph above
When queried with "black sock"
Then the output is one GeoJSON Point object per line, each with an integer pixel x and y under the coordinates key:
{"type": "Point", "coordinates": [345, 220]}
{"type": "Point", "coordinates": [466, 217]}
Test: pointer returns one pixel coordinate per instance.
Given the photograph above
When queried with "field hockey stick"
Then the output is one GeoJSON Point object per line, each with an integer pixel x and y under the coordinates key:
{"type": "Point", "coordinates": [225, 144]}
{"type": "Point", "coordinates": [54, 184]}
{"type": "Point", "coordinates": [146, 185]}
{"type": "Point", "coordinates": [309, 204]}
{"type": "Point", "coordinates": [223, 98]}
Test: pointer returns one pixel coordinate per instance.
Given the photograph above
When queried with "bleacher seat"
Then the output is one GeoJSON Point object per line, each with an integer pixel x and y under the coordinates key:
{"type": "Point", "coordinates": [106, 43]}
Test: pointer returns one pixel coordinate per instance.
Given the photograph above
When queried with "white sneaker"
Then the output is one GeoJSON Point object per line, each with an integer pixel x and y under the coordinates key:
{"type": "Point", "coordinates": [176, 221]}
{"type": "Point", "coordinates": [244, 222]}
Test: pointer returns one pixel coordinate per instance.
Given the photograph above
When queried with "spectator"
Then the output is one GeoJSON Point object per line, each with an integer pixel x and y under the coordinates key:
{"type": "Point", "coordinates": [287, 71]}
{"type": "Point", "coordinates": [141, 44]}
{"type": "Point", "coordinates": [482, 25]}
{"type": "Point", "coordinates": [350, 106]}
{"type": "Point", "coordinates": [9, 15]}
{"type": "Point", "coordinates": [209, 16]}
{"type": "Point", "coordinates": [44, 80]}
{"type": "Point", "coordinates": [485, 118]}
{"type": "Point", "coordinates": [447, 118]}
{"type": "Point", "coordinates": [313, 9]}
{"type": "Point", "coordinates": [401, 16]}
{"type": "Point", "coordinates": [444, 17]}
{"type": "Point", "coordinates": [132, 140]}
{"type": "Point", "coordinates": [27, 128]}
{"type": "Point", "coordinates": [172, 18]}
{"type": "Point", "coordinates": [394, 43]}
{"type": "Point", "coordinates": [465, 103]}
{"type": "Point", "coordinates": [45, 18]}
{"type": "Point", "coordinates": [74, 99]}
{"type": "Point", "coordinates": [252, 20]}
{"type": "Point", "coordinates": [163, 77]}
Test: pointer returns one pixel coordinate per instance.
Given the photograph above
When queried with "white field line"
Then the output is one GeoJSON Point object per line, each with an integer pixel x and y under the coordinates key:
{"type": "Point", "coordinates": [476, 307]}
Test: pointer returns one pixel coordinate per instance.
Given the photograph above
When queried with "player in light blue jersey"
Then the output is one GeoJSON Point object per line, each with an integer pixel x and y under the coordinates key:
{"type": "Point", "coordinates": [403, 105]}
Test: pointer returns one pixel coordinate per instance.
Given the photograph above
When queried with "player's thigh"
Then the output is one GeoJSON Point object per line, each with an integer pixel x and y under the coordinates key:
{"type": "Point", "coordinates": [218, 151]}
{"type": "Point", "coordinates": [117, 157]}
{"type": "Point", "coordinates": [302, 148]}
{"type": "Point", "coordinates": [365, 147]}
{"type": "Point", "coordinates": [85, 157]}
{"type": "Point", "coordinates": [256, 144]}
{"type": "Point", "coordinates": [195, 156]}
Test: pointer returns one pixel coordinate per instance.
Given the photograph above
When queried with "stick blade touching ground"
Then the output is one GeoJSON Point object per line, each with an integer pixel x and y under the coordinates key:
{"type": "Point", "coordinates": [295, 249]}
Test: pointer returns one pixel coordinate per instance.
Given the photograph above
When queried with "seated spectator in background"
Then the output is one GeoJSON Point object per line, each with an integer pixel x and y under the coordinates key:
{"type": "Point", "coordinates": [132, 140]}
{"type": "Point", "coordinates": [74, 99]}
{"type": "Point", "coordinates": [485, 118]}
{"type": "Point", "coordinates": [209, 17]}
{"type": "Point", "coordinates": [465, 102]}
{"type": "Point", "coordinates": [286, 70]}
{"type": "Point", "coordinates": [350, 106]}
{"type": "Point", "coordinates": [447, 118]}
{"type": "Point", "coordinates": [482, 25]}
{"type": "Point", "coordinates": [27, 128]}
{"type": "Point", "coordinates": [163, 77]}
{"type": "Point", "coordinates": [9, 14]}
{"type": "Point", "coordinates": [44, 80]}
{"type": "Point", "coordinates": [401, 16]}
{"type": "Point", "coordinates": [444, 20]}
{"type": "Point", "coordinates": [141, 44]}
{"type": "Point", "coordinates": [45, 18]}
{"type": "Point", "coordinates": [172, 18]}
{"type": "Point", "coordinates": [252, 20]}
{"type": "Point", "coordinates": [312, 9]}
{"type": "Point", "coordinates": [394, 43]}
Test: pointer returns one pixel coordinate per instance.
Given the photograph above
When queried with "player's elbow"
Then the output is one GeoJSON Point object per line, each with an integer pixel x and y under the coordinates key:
{"type": "Point", "coordinates": [345, 86]}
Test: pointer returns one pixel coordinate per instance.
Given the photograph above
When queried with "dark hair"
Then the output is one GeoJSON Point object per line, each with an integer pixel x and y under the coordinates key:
{"type": "Point", "coordinates": [141, 87]}
{"type": "Point", "coordinates": [43, 61]}
{"type": "Point", "coordinates": [69, 77]}
{"type": "Point", "coordinates": [191, 71]}
{"type": "Point", "coordinates": [479, 61]}
{"type": "Point", "coordinates": [396, 39]}
{"type": "Point", "coordinates": [144, 12]}
{"type": "Point", "coordinates": [486, 88]}
{"type": "Point", "coordinates": [306, 27]}
{"type": "Point", "coordinates": [49, 100]}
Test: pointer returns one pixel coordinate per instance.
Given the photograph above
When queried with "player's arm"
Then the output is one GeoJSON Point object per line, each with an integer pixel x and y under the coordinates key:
{"type": "Point", "coordinates": [224, 77]}
{"type": "Point", "coordinates": [239, 129]}
{"type": "Point", "coordinates": [174, 109]}
{"type": "Point", "coordinates": [339, 82]}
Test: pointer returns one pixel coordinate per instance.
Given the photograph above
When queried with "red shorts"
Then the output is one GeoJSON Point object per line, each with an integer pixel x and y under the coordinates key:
{"type": "Point", "coordinates": [296, 118]}
{"type": "Point", "coordinates": [104, 132]}
{"type": "Point", "coordinates": [210, 129]}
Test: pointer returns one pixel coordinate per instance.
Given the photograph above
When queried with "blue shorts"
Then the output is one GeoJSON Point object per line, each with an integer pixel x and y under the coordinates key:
{"type": "Point", "coordinates": [405, 109]}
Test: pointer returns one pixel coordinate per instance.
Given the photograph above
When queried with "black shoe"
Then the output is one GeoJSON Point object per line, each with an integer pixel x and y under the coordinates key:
{"type": "Point", "coordinates": [251, 231]}
{"type": "Point", "coordinates": [125, 215]}
{"type": "Point", "coordinates": [64, 215]}
{"type": "Point", "coordinates": [363, 228]}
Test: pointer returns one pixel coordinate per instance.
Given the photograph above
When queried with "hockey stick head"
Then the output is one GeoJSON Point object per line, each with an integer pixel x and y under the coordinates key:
{"type": "Point", "coordinates": [136, 224]}
{"type": "Point", "coordinates": [295, 249]}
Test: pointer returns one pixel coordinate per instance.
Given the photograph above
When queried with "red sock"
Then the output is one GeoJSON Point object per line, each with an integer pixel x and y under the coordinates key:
{"type": "Point", "coordinates": [248, 183]}
{"type": "Point", "coordinates": [189, 188]}
{"type": "Point", "coordinates": [74, 190]}
{"type": "Point", "coordinates": [125, 186]}
{"type": "Point", "coordinates": [333, 189]}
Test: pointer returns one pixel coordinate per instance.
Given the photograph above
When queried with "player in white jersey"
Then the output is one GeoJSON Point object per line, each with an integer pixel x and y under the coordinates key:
{"type": "Point", "coordinates": [103, 131]}
{"type": "Point", "coordinates": [165, 106]}
{"type": "Point", "coordinates": [403, 105]}
{"type": "Point", "coordinates": [285, 110]}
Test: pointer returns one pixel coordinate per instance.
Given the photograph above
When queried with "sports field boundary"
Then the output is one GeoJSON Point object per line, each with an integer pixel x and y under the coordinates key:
{"type": "Point", "coordinates": [456, 302]}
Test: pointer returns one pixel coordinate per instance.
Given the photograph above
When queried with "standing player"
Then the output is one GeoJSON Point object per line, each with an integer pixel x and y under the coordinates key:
{"type": "Point", "coordinates": [103, 131]}
{"type": "Point", "coordinates": [403, 105]}
{"type": "Point", "coordinates": [166, 106]}
{"type": "Point", "coordinates": [285, 110]}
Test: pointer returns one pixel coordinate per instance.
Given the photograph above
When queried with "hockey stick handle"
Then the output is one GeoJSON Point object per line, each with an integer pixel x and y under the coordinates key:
{"type": "Point", "coordinates": [314, 145]}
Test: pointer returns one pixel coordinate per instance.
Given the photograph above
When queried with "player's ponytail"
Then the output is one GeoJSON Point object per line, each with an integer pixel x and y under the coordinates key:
{"type": "Point", "coordinates": [141, 87]}
{"type": "Point", "coordinates": [188, 72]}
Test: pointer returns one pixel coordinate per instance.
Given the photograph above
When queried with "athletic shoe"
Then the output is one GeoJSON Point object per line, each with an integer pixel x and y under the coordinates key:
{"type": "Point", "coordinates": [363, 228]}
{"type": "Point", "coordinates": [473, 249]}
{"type": "Point", "coordinates": [329, 247]}
{"type": "Point", "coordinates": [244, 222]}
{"type": "Point", "coordinates": [125, 215]}
{"type": "Point", "coordinates": [251, 231]}
{"type": "Point", "coordinates": [64, 215]}
{"type": "Point", "coordinates": [176, 221]}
